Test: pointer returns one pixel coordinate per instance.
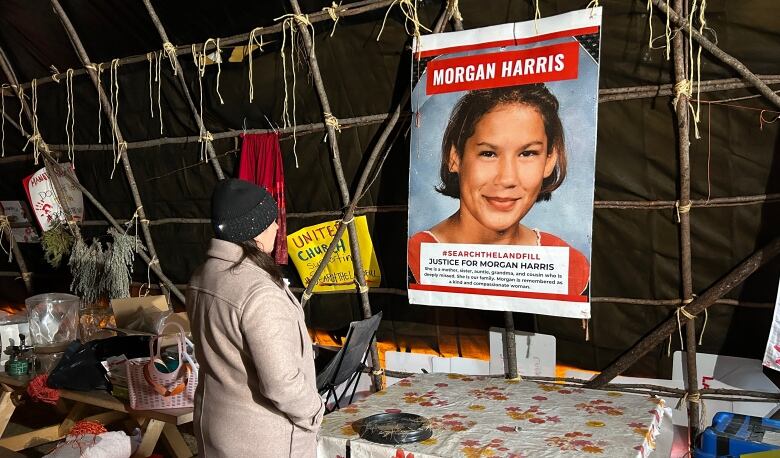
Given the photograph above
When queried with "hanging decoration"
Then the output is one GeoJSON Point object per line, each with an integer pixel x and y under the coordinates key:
{"type": "Point", "coordinates": [259, 44]}
{"type": "Point", "coordinates": [70, 117]}
{"type": "Point", "coordinates": [46, 204]}
{"type": "Point", "coordinates": [150, 57]}
{"type": "Point", "coordinates": [333, 12]}
{"type": "Point", "coordinates": [56, 243]}
{"type": "Point", "coordinates": [86, 264]}
{"type": "Point", "coordinates": [103, 272]}
{"type": "Point", "coordinates": [20, 93]}
{"type": "Point", "coordinates": [170, 52]}
{"type": "Point", "coordinates": [35, 138]}
{"type": "Point", "coordinates": [217, 59]}
{"type": "Point", "coordinates": [409, 9]}
{"type": "Point", "coordinates": [158, 79]}
{"type": "Point", "coordinates": [288, 23]}
{"type": "Point", "coordinates": [116, 145]}
{"type": "Point", "coordinates": [2, 122]}
{"type": "Point", "coordinates": [204, 136]}
{"type": "Point", "coordinates": [98, 71]}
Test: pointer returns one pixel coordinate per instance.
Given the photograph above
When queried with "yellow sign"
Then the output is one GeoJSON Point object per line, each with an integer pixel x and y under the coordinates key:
{"type": "Point", "coordinates": [307, 248]}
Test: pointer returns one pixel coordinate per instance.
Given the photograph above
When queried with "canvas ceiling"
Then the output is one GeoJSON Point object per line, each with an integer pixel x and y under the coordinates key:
{"type": "Point", "coordinates": [635, 252]}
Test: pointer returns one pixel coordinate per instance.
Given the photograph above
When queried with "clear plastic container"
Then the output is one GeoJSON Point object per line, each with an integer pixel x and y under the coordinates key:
{"type": "Point", "coordinates": [54, 321]}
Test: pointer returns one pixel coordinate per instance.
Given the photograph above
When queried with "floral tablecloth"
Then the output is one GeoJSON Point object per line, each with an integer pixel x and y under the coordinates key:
{"type": "Point", "coordinates": [492, 417]}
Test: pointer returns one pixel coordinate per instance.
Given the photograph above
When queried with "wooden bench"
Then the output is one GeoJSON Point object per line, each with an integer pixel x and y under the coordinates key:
{"type": "Point", "coordinates": [153, 423]}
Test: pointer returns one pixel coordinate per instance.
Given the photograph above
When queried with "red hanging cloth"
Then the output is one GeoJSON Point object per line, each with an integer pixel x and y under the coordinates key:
{"type": "Point", "coordinates": [261, 164]}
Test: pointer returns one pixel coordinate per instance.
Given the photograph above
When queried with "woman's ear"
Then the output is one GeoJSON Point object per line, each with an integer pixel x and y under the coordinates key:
{"type": "Point", "coordinates": [552, 161]}
{"type": "Point", "coordinates": [454, 160]}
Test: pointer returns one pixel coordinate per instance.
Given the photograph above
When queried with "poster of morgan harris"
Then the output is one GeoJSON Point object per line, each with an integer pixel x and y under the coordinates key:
{"type": "Point", "coordinates": [502, 166]}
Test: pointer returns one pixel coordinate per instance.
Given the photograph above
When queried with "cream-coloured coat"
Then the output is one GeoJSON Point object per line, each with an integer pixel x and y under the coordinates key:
{"type": "Point", "coordinates": [256, 393]}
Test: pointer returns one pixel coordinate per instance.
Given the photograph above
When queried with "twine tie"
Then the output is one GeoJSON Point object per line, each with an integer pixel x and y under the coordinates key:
{"type": "Point", "coordinates": [454, 11]}
{"type": "Point", "coordinates": [333, 12]}
{"type": "Point", "coordinates": [332, 121]}
{"type": "Point", "coordinates": [170, 51]}
{"type": "Point", "coordinates": [680, 209]}
{"type": "Point", "coordinates": [409, 11]}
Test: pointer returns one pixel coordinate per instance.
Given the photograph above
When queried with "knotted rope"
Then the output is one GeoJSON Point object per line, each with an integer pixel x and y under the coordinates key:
{"type": "Point", "coordinates": [593, 5]}
{"type": "Point", "coordinates": [205, 139]}
{"type": "Point", "coordinates": [218, 61]}
{"type": "Point", "coordinates": [453, 10]}
{"type": "Point", "coordinates": [333, 12]}
{"type": "Point", "coordinates": [35, 138]}
{"type": "Point", "coordinates": [681, 209]}
{"type": "Point", "coordinates": [289, 21]}
{"type": "Point", "coordinates": [70, 118]}
{"type": "Point", "coordinates": [332, 121]}
{"type": "Point", "coordinates": [409, 11]}
{"type": "Point", "coordinates": [2, 123]}
{"type": "Point", "coordinates": [537, 16]}
{"type": "Point", "coordinates": [158, 79]}
{"type": "Point", "coordinates": [253, 41]}
{"type": "Point", "coordinates": [203, 136]}
{"type": "Point", "coordinates": [152, 262]}
{"type": "Point", "coordinates": [98, 71]}
{"type": "Point", "coordinates": [170, 52]}
{"type": "Point", "coordinates": [116, 145]}
{"type": "Point", "coordinates": [150, 57]}
{"type": "Point", "coordinates": [20, 93]}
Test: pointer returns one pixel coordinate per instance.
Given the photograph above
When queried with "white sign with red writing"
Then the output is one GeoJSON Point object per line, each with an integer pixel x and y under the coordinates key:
{"type": "Point", "coordinates": [46, 204]}
{"type": "Point", "coordinates": [540, 269]}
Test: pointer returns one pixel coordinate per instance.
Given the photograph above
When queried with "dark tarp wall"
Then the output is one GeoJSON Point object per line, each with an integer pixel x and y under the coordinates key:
{"type": "Point", "coordinates": [635, 252]}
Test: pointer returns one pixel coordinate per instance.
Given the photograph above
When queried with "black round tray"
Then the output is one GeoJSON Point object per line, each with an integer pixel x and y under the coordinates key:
{"type": "Point", "coordinates": [394, 428]}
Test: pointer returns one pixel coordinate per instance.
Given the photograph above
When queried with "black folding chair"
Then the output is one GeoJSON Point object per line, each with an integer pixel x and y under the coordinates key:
{"type": "Point", "coordinates": [350, 361]}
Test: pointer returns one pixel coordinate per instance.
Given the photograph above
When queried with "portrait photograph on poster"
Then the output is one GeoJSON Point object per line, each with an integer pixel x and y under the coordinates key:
{"type": "Point", "coordinates": [502, 166]}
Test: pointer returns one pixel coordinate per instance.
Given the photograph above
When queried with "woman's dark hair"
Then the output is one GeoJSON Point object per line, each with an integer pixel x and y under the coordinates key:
{"type": "Point", "coordinates": [262, 259]}
{"type": "Point", "coordinates": [474, 105]}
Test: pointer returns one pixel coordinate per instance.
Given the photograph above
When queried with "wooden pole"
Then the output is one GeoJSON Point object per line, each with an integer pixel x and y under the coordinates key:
{"type": "Point", "coordinates": [681, 54]}
{"type": "Point", "coordinates": [721, 55]}
{"type": "Point", "coordinates": [186, 91]}
{"type": "Point", "coordinates": [357, 261]}
{"type": "Point", "coordinates": [665, 329]}
{"type": "Point", "coordinates": [104, 102]}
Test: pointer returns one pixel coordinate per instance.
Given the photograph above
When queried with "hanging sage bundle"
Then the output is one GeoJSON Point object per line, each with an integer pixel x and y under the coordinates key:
{"type": "Point", "coordinates": [56, 243]}
{"type": "Point", "coordinates": [86, 265]}
{"type": "Point", "coordinates": [115, 282]}
{"type": "Point", "coordinates": [99, 272]}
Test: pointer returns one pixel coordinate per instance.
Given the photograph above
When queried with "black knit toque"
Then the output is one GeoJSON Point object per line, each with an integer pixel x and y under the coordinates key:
{"type": "Point", "coordinates": [241, 210]}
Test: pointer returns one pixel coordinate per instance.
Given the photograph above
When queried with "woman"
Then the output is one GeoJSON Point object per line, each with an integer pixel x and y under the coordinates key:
{"type": "Point", "coordinates": [503, 151]}
{"type": "Point", "coordinates": [256, 394]}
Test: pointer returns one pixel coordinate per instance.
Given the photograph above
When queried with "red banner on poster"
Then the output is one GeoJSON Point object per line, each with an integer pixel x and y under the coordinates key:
{"type": "Point", "coordinates": [481, 71]}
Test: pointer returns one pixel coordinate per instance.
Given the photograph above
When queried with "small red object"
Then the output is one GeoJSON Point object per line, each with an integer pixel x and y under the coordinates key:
{"type": "Point", "coordinates": [87, 427]}
{"type": "Point", "coordinates": [38, 390]}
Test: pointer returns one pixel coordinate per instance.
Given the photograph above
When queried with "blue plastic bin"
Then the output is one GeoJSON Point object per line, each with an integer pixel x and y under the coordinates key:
{"type": "Point", "coordinates": [732, 435]}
